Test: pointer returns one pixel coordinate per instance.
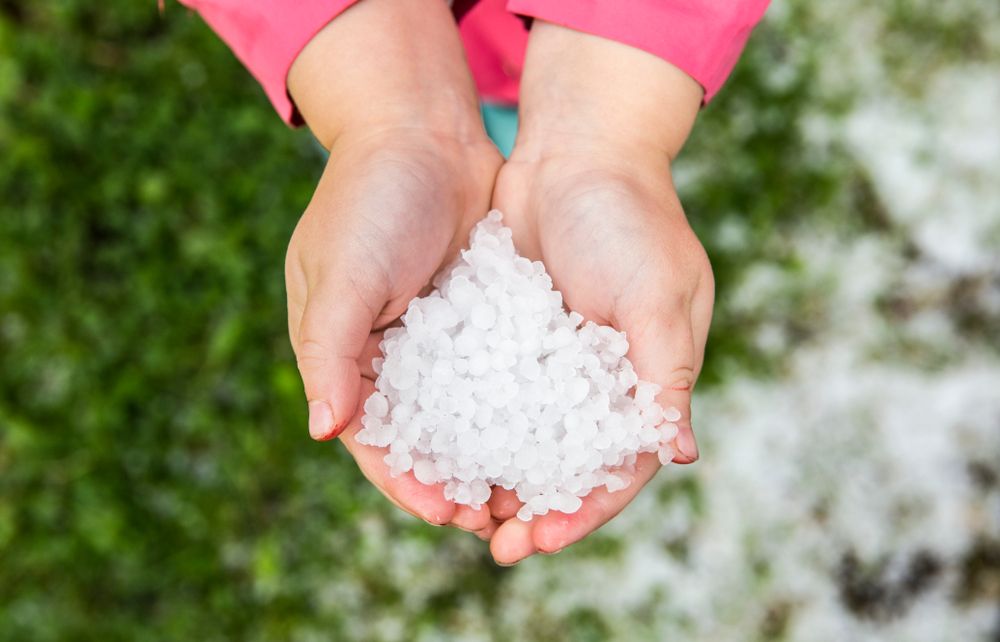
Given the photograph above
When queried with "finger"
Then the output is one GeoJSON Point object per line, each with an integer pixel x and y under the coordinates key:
{"type": "Point", "coordinates": [555, 531]}
{"type": "Point", "coordinates": [662, 349]}
{"type": "Point", "coordinates": [470, 519]}
{"type": "Point", "coordinates": [486, 534]}
{"type": "Point", "coordinates": [701, 318]}
{"type": "Point", "coordinates": [334, 330]}
{"type": "Point", "coordinates": [504, 503]}
{"type": "Point", "coordinates": [423, 501]}
{"type": "Point", "coordinates": [512, 542]}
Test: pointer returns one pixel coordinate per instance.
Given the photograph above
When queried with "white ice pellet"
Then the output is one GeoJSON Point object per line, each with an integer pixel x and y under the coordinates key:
{"type": "Point", "coordinates": [442, 372]}
{"type": "Point", "coordinates": [525, 513]}
{"type": "Point", "coordinates": [483, 316]}
{"type": "Point", "coordinates": [668, 431]}
{"type": "Point", "coordinates": [616, 482]}
{"type": "Point", "coordinates": [577, 389]}
{"type": "Point", "coordinates": [490, 382]}
{"type": "Point", "coordinates": [479, 363]}
{"type": "Point", "coordinates": [671, 414]}
{"type": "Point", "coordinates": [376, 406]}
{"type": "Point", "coordinates": [425, 471]}
{"type": "Point", "coordinates": [644, 394]}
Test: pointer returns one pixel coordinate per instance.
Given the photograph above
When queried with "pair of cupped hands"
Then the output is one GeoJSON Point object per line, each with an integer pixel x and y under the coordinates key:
{"type": "Point", "coordinates": [587, 190]}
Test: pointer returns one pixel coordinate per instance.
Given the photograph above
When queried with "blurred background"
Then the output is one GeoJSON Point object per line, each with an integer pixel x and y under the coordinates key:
{"type": "Point", "coordinates": [156, 477]}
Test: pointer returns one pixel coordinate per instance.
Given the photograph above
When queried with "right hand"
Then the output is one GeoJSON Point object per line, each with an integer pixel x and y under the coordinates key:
{"type": "Point", "coordinates": [410, 172]}
{"type": "Point", "coordinates": [389, 212]}
{"type": "Point", "coordinates": [588, 191]}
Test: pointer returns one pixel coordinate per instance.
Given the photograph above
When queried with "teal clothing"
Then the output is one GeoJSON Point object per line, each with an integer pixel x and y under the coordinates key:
{"type": "Point", "coordinates": [501, 125]}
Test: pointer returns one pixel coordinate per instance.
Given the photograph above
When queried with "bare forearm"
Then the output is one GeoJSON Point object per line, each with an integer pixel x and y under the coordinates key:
{"type": "Point", "coordinates": [580, 90]}
{"type": "Point", "coordinates": [384, 64]}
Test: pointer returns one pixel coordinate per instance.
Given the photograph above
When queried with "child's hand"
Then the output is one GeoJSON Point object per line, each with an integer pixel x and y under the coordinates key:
{"type": "Point", "coordinates": [386, 216]}
{"type": "Point", "coordinates": [614, 239]}
{"type": "Point", "coordinates": [588, 191]}
{"type": "Point", "coordinates": [385, 88]}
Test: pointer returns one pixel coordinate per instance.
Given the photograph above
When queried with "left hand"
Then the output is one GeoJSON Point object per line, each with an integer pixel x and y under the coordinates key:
{"type": "Point", "coordinates": [592, 197]}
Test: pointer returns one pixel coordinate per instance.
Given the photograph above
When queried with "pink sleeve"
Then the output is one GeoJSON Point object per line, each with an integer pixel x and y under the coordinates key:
{"type": "Point", "coordinates": [494, 41]}
{"type": "Point", "coordinates": [704, 38]}
{"type": "Point", "coordinates": [267, 35]}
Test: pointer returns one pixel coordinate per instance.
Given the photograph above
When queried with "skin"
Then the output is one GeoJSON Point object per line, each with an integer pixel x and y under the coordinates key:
{"type": "Point", "coordinates": [410, 172]}
{"type": "Point", "coordinates": [587, 190]}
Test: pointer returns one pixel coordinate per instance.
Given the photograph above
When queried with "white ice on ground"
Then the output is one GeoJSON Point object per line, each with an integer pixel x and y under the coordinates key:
{"type": "Point", "coordinates": [880, 439]}
{"type": "Point", "coordinates": [490, 382]}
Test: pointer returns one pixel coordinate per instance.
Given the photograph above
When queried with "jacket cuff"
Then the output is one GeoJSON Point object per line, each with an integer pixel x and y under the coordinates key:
{"type": "Point", "coordinates": [267, 35]}
{"type": "Point", "coordinates": [703, 38]}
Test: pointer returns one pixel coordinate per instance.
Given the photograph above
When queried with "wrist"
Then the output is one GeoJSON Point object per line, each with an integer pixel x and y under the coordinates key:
{"type": "Point", "coordinates": [386, 65]}
{"type": "Point", "coordinates": [584, 93]}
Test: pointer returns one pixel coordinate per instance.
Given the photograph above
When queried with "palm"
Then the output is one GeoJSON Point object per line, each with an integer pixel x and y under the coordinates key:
{"type": "Point", "coordinates": [392, 216]}
{"type": "Point", "coordinates": [384, 220]}
{"type": "Point", "coordinates": [620, 250]}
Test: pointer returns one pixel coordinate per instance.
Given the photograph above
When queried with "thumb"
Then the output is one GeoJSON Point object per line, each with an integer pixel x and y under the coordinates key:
{"type": "Point", "coordinates": [335, 326]}
{"type": "Point", "coordinates": [663, 352]}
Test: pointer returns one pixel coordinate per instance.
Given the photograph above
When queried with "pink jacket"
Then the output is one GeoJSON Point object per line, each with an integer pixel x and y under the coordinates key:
{"type": "Point", "coordinates": [702, 37]}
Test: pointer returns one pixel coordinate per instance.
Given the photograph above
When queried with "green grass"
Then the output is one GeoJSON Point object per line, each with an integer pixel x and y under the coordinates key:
{"type": "Point", "coordinates": [156, 479]}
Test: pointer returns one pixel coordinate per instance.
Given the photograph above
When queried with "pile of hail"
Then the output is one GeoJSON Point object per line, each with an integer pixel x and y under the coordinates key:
{"type": "Point", "coordinates": [490, 382]}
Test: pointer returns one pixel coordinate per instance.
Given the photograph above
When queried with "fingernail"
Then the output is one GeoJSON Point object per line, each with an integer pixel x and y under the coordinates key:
{"type": "Point", "coordinates": [687, 445]}
{"type": "Point", "coordinates": [506, 565]}
{"type": "Point", "coordinates": [320, 420]}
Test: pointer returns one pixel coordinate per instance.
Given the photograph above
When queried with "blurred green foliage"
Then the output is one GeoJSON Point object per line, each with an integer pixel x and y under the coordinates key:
{"type": "Point", "coordinates": [156, 480]}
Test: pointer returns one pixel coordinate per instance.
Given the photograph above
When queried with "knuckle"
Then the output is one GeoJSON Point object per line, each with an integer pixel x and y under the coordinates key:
{"type": "Point", "coordinates": [312, 354]}
{"type": "Point", "coordinates": [550, 548]}
{"type": "Point", "coordinates": [681, 379]}
{"type": "Point", "coordinates": [437, 519]}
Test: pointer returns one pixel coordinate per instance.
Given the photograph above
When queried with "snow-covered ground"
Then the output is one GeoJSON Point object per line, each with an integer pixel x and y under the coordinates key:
{"type": "Point", "coordinates": [842, 501]}
{"type": "Point", "coordinates": [855, 496]}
